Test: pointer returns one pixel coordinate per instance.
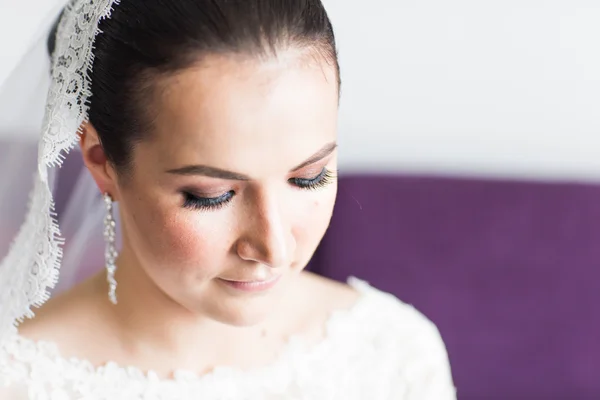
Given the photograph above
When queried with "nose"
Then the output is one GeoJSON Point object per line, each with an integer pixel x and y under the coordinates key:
{"type": "Point", "coordinates": [267, 237]}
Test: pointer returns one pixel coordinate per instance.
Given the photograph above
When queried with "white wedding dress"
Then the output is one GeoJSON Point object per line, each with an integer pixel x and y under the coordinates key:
{"type": "Point", "coordinates": [380, 349]}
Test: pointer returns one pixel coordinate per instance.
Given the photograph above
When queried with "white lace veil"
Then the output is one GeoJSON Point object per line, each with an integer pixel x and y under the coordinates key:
{"type": "Point", "coordinates": [47, 100]}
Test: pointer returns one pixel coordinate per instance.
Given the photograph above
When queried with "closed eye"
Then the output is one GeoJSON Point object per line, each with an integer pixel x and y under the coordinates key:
{"type": "Point", "coordinates": [324, 178]}
{"type": "Point", "coordinates": [206, 203]}
{"type": "Point", "coordinates": [194, 202]}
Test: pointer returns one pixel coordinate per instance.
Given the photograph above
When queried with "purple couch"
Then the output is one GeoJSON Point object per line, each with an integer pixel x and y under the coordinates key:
{"type": "Point", "coordinates": [509, 272]}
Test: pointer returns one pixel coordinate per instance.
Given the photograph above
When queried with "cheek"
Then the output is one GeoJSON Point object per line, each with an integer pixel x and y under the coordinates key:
{"type": "Point", "coordinates": [180, 239]}
{"type": "Point", "coordinates": [183, 238]}
{"type": "Point", "coordinates": [313, 221]}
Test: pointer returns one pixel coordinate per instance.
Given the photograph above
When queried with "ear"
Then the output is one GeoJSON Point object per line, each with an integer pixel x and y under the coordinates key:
{"type": "Point", "coordinates": [96, 161]}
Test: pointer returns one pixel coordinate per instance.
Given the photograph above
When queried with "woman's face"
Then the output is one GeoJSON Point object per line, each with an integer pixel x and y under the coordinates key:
{"type": "Point", "coordinates": [235, 188]}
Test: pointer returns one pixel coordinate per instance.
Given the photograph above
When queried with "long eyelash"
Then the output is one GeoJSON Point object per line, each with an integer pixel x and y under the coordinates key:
{"type": "Point", "coordinates": [323, 179]}
{"type": "Point", "coordinates": [206, 204]}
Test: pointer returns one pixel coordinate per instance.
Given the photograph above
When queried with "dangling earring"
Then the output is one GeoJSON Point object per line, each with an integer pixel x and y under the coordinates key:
{"type": "Point", "coordinates": [110, 252]}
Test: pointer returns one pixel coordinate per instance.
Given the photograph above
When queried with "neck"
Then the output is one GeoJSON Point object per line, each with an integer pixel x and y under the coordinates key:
{"type": "Point", "coordinates": [153, 329]}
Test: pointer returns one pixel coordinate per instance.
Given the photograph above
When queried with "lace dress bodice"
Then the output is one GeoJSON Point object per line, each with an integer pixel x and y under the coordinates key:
{"type": "Point", "coordinates": [380, 349]}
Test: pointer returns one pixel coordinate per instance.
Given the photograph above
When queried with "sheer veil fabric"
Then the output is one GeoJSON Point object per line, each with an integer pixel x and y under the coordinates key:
{"type": "Point", "coordinates": [45, 99]}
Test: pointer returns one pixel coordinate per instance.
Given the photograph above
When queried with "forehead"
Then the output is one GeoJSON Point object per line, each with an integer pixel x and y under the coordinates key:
{"type": "Point", "coordinates": [229, 110]}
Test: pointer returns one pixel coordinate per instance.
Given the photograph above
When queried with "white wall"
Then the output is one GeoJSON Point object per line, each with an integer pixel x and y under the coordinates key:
{"type": "Point", "coordinates": [19, 26]}
{"type": "Point", "coordinates": [479, 87]}
{"type": "Point", "coordinates": [501, 88]}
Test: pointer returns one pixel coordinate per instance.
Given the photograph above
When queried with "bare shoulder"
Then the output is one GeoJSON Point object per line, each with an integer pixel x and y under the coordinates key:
{"type": "Point", "coordinates": [314, 300]}
{"type": "Point", "coordinates": [379, 308]}
{"type": "Point", "coordinates": [66, 319]}
{"type": "Point", "coordinates": [330, 294]}
{"type": "Point", "coordinates": [390, 320]}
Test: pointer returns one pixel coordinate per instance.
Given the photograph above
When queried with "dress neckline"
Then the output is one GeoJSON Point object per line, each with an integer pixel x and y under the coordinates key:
{"type": "Point", "coordinates": [296, 351]}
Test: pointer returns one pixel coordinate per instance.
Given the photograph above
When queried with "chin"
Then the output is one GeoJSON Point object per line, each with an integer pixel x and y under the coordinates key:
{"type": "Point", "coordinates": [240, 309]}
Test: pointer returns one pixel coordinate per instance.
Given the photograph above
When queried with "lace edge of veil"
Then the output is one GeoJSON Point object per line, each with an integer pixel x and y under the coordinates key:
{"type": "Point", "coordinates": [31, 267]}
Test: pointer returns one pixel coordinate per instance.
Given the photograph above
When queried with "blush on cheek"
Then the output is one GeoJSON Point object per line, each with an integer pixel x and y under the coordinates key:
{"type": "Point", "coordinates": [184, 240]}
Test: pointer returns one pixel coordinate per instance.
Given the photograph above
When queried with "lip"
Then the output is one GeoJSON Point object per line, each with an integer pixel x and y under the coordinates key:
{"type": "Point", "coordinates": [252, 286]}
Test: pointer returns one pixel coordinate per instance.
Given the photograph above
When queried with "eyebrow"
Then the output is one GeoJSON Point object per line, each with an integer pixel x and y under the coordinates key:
{"type": "Point", "coordinates": [318, 156]}
{"type": "Point", "coordinates": [219, 173]}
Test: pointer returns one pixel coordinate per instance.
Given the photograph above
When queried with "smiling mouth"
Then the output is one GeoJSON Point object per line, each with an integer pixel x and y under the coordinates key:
{"type": "Point", "coordinates": [252, 286]}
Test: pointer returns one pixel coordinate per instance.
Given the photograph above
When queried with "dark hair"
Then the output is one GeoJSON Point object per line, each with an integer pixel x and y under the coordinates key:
{"type": "Point", "coordinates": [144, 39]}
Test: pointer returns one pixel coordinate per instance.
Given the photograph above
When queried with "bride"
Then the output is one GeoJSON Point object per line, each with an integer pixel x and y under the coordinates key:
{"type": "Point", "coordinates": [212, 126]}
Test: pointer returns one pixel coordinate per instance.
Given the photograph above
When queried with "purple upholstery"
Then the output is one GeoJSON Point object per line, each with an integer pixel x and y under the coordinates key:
{"type": "Point", "coordinates": [509, 272]}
